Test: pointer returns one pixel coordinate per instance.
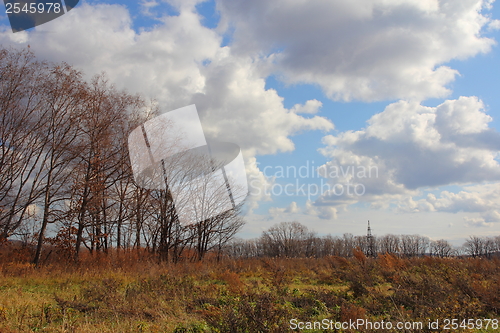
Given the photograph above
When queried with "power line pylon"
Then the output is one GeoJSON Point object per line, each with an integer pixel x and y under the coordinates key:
{"type": "Point", "coordinates": [370, 242]}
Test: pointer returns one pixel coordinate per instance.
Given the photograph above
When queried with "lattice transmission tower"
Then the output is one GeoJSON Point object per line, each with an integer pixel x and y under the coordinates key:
{"type": "Point", "coordinates": [370, 242]}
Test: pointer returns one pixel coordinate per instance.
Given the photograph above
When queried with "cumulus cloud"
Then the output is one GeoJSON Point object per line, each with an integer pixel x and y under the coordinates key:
{"type": "Point", "coordinates": [323, 212]}
{"type": "Point", "coordinates": [177, 62]}
{"type": "Point", "coordinates": [409, 148]}
{"type": "Point", "coordinates": [311, 106]}
{"type": "Point", "coordinates": [476, 222]}
{"type": "Point", "coordinates": [483, 200]}
{"type": "Point", "coordinates": [291, 209]}
{"type": "Point", "coordinates": [235, 104]}
{"type": "Point", "coordinates": [414, 146]}
{"type": "Point", "coordinates": [147, 6]}
{"type": "Point", "coordinates": [368, 50]}
{"type": "Point", "coordinates": [494, 25]}
{"type": "Point", "coordinates": [258, 184]}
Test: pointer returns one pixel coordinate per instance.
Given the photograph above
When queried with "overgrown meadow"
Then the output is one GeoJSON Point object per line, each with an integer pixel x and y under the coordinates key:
{"type": "Point", "coordinates": [132, 292]}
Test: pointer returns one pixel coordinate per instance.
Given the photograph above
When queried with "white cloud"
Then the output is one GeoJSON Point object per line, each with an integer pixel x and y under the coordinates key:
{"type": "Point", "coordinates": [368, 50]}
{"type": "Point", "coordinates": [353, 49]}
{"type": "Point", "coordinates": [414, 146]}
{"type": "Point", "coordinates": [408, 148]}
{"type": "Point", "coordinates": [482, 200]}
{"type": "Point", "coordinates": [257, 185]}
{"type": "Point", "coordinates": [494, 25]}
{"type": "Point", "coordinates": [293, 208]}
{"type": "Point", "coordinates": [466, 117]}
{"type": "Point", "coordinates": [476, 222]}
{"type": "Point", "coordinates": [178, 62]}
{"type": "Point", "coordinates": [235, 106]}
{"type": "Point", "coordinates": [322, 211]}
{"type": "Point", "coordinates": [184, 4]}
{"type": "Point", "coordinates": [147, 5]}
{"type": "Point", "coordinates": [312, 106]}
{"type": "Point", "coordinates": [311, 209]}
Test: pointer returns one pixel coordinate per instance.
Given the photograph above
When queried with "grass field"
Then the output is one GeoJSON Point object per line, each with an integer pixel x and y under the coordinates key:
{"type": "Point", "coordinates": [120, 294]}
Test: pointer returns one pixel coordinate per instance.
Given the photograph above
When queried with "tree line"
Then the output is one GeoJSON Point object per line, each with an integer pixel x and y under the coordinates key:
{"type": "Point", "coordinates": [65, 174]}
{"type": "Point", "coordinates": [292, 239]}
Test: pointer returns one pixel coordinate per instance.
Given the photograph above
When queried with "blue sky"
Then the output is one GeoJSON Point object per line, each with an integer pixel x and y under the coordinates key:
{"type": "Point", "coordinates": [409, 87]}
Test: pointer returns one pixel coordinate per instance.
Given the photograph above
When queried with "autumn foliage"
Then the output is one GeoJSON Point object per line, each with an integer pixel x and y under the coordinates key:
{"type": "Point", "coordinates": [118, 292]}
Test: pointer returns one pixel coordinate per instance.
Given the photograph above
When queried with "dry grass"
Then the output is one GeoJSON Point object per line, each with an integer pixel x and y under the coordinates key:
{"type": "Point", "coordinates": [133, 293]}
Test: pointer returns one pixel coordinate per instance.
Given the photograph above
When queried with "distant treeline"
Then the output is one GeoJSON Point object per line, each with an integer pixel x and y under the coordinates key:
{"type": "Point", "coordinates": [292, 239]}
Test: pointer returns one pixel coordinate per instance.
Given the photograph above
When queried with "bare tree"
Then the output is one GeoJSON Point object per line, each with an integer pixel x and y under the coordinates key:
{"type": "Point", "coordinates": [441, 248]}
{"type": "Point", "coordinates": [414, 245]}
{"type": "Point", "coordinates": [286, 239]}
{"type": "Point", "coordinates": [348, 245]}
{"type": "Point", "coordinates": [62, 97]}
{"type": "Point", "coordinates": [474, 246]}
{"type": "Point", "coordinates": [489, 246]}
{"type": "Point", "coordinates": [64, 162]}
{"type": "Point", "coordinates": [389, 244]}
{"type": "Point", "coordinates": [100, 155]}
{"type": "Point", "coordinates": [21, 115]}
{"type": "Point", "coordinates": [497, 243]}
{"type": "Point", "coordinates": [194, 198]}
{"type": "Point", "coordinates": [243, 248]}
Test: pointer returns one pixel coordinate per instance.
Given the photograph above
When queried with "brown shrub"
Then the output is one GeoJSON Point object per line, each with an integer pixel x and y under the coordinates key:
{"type": "Point", "coordinates": [351, 312]}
